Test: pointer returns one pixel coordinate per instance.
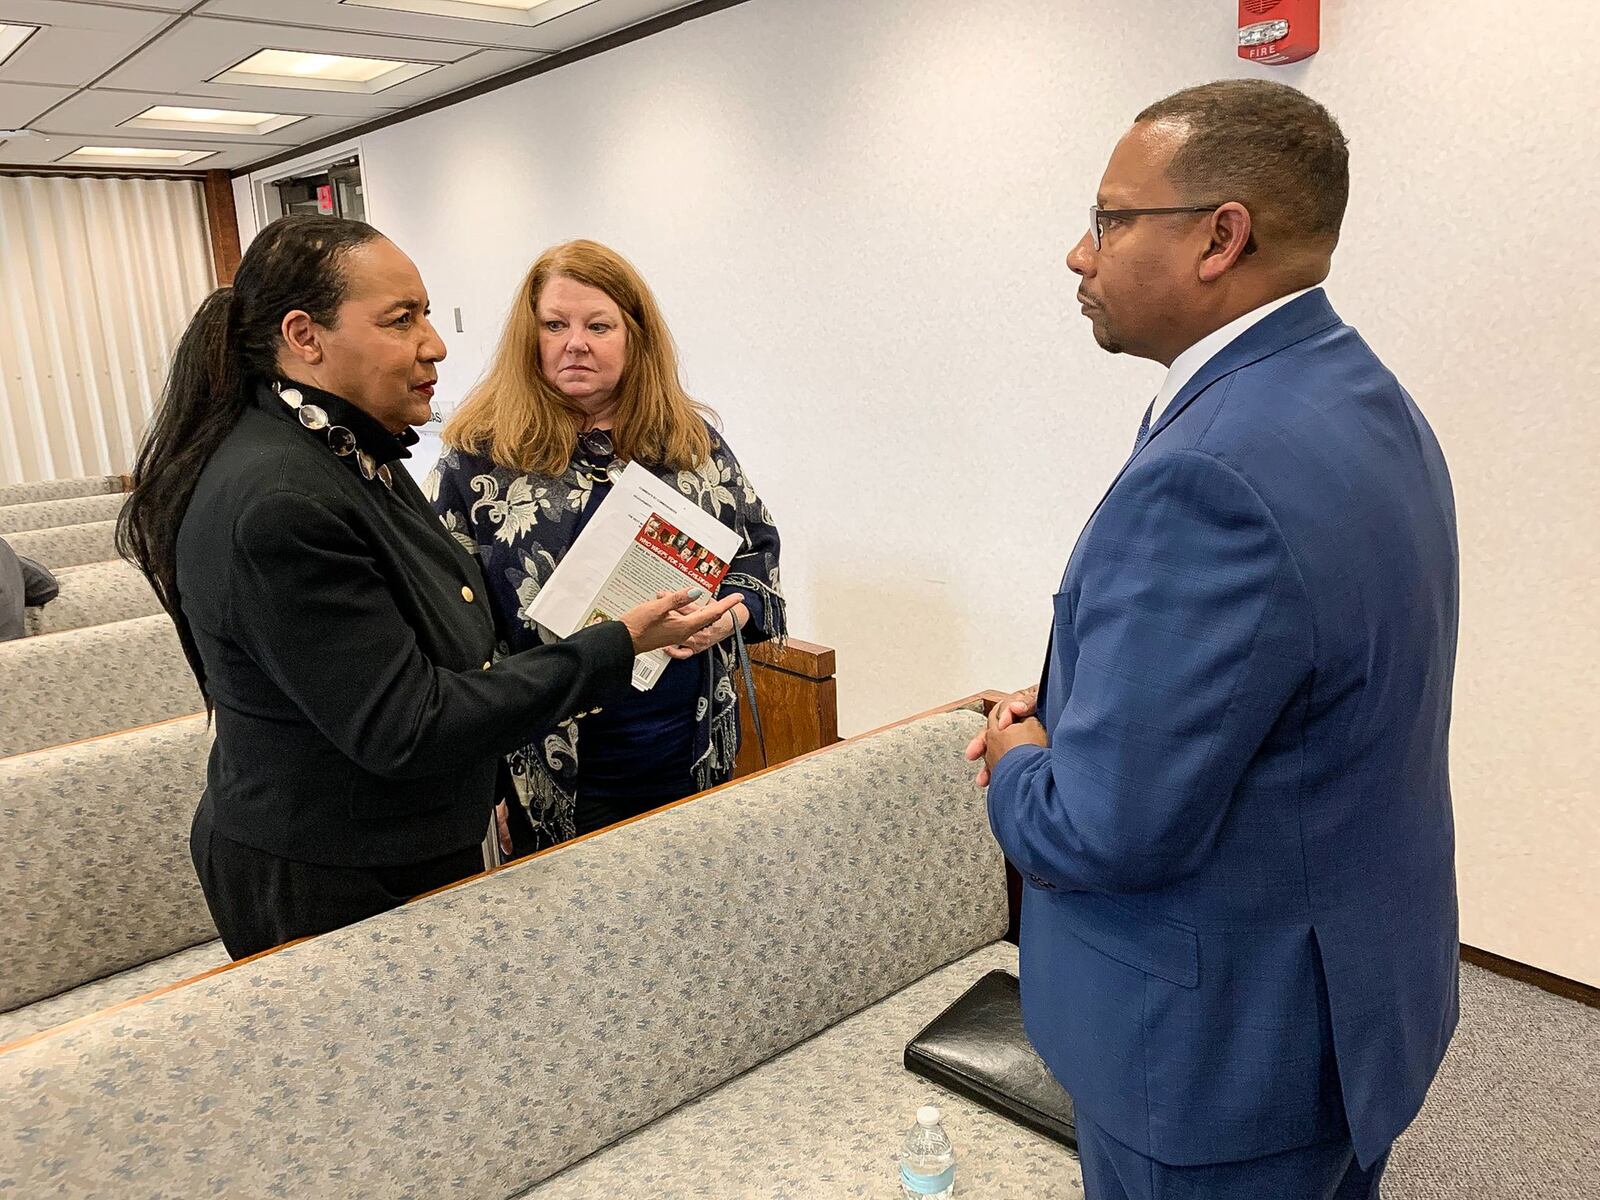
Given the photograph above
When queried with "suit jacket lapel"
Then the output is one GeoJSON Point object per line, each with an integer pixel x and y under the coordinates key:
{"type": "Point", "coordinates": [1311, 314]}
{"type": "Point", "coordinates": [1305, 317]}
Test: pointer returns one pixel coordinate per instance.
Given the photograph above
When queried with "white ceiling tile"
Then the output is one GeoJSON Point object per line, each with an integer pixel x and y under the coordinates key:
{"type": "Point", "coordinates": [330, 14]}
{"type": "Point", "coordinates": [197, 49]}
{"type": "Point", "coordinates": [171, 6]}
{"type": "Point", "coordinates": [100, 114]}
{"type": "Point", "coordinates": [37, 152]}
{"type": "Point", "coordinates": [347, 106]}
{"type": "Point", "coordinates": [21, 103]}
{"type": "Point", "coordinates": [105, 61]}
{"type": "Point", "coordinates": [77, 14]}
{"type": "Point", "coordinates": [75, 42]}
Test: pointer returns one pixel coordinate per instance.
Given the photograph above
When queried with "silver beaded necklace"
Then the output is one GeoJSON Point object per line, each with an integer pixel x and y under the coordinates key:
{"type": "Point", "coordinates": [340, 440]}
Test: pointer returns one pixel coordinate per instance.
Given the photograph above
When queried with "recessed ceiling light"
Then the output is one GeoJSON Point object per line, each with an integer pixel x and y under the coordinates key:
{"type": "Point", "coordinates": [135, 156]}
{"type": "Point", "coordinates": [12, 36]}
{"type": "Point", "coordinates": [209, 120]}
{"type": "Point", "coordinates": [517, 5]}
{"type": "Point", "coordinates": [504, 12]}
{"type": "Point", "coordinates": [321, 72]}
{"type": "Point", "coordinates": [204, 116]}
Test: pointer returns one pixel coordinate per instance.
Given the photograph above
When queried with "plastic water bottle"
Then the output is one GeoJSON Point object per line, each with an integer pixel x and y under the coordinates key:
{"type": "Point", "coordinates": [928, 1160]}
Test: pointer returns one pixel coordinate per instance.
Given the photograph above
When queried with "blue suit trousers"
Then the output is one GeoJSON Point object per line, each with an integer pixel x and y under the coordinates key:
{"type": "Point", "coordinates": [1324, 1171]}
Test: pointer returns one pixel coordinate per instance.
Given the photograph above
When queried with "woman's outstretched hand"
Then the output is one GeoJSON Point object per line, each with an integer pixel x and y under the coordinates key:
{"type": "Point", "coordinates": [712, 634]}
{"type": "Point", "coordinates": [670, 619]}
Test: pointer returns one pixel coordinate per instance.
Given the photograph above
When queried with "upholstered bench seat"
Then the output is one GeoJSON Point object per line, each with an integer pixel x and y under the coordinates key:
{"type": "Point", "coordinates": [62, 687]}
{"type": "Point", "coordinates": [59, 489]}
{"type": "Point", "coordinates": [51, 514]}
{"type": "Point", "coordinates": [95, 594]}
{"type": "Point", "coordinates": [113, 989]}
{"type": "Point", "coordinates": [67, 545]}
{"type": "Point", "coordinates": [489, 1036]}
{"type": "Point", "coordinates": [95, 878]}
{"type": "Point", "coordinates": [825, 1119]}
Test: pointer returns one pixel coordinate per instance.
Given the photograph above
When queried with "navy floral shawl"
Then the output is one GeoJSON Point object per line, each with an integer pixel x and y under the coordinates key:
{"type": "Point", "coordinates": [519, 524]}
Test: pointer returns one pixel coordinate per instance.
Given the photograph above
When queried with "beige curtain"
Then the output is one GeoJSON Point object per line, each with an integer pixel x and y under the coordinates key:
{"type": "Point", "coordinates": [97, 279]}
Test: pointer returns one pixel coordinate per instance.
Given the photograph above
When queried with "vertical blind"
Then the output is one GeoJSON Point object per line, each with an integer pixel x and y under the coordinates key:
{"type": "Point", "coordinates": [98, 278]}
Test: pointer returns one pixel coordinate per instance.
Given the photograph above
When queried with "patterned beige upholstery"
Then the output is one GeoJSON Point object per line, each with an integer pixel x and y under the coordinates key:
{"type": "Point", "coordinates": [49, 514]}
{"type": "Point", "coordinates": [94, 997]}
{"type": "Point", "coordinates": [480, 1040]}
{"type": "Point", "coordinates": [60, 687]}
{"type": "Point", "coordinates": [67, 545]}
{"type": "Point", "coordinates": [95, 594]}
{"type": "Point", "coordinates": [827, 1119]}
{"type": "Point", "coordinates": [58, 489]}
{"type": "Point", "coordinates": [96, 876]}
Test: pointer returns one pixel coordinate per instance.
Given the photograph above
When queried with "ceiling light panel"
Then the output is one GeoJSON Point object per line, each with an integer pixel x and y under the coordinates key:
{"type": "Point", "coordinates": [134, 156]}
{"type": "Point", "coordinates": [174, 119]}
{"type": "Point", "coordinates": [503, 12]}
{"type": "Point", "coordinates": [321, 72]}
{"type": "Point", "coordinates": [12, 37]}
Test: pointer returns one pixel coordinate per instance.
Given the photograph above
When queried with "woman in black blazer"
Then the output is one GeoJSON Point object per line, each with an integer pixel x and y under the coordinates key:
{"type": "Point", "coordinates": [340, 636]}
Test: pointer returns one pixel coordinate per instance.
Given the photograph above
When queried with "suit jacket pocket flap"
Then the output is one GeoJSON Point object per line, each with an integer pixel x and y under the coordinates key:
{"type": "Point", "coordinates": [1150, 944]}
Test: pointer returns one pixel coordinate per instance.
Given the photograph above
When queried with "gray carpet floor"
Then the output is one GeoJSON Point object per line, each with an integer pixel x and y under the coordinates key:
{"type": "Point", "coordinates": [1515, 1111]}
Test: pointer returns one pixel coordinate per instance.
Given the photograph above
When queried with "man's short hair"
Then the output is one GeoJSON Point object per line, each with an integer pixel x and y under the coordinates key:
{"type": "Point", "coordinates": [1268, 146]}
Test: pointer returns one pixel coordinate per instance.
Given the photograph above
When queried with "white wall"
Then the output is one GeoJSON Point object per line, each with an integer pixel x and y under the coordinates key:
{"type": "Point", "coordinates": [856, 212]}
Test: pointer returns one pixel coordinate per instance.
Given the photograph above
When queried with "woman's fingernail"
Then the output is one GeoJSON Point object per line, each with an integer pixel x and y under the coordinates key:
{"type": "Point", "coordinates": [697, 593]}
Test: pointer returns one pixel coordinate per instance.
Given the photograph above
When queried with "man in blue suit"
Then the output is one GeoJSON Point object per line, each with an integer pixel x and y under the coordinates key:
{"type": "Point", "coordinates": [1232, 810]}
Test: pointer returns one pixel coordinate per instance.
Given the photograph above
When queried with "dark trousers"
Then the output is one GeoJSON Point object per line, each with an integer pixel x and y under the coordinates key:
{"type": "Point", "coordinates": [259, 900]}
{"type": "Point", "coordinates": [1326, 1171]}
{"type": "Point", "coordinates": [597, 809]}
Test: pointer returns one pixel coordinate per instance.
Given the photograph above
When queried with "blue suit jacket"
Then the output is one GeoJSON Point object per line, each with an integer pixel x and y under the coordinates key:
{"type": "Point", "coordinates": [1239, 915]}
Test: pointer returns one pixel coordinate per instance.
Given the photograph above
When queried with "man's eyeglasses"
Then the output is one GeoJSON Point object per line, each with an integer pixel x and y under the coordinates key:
{"type": "Point", "coordinates": [1098, 215]}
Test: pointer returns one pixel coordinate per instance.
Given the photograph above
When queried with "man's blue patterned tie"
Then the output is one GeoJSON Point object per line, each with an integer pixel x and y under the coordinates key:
{"type": "Point", "coordinates": [1144, 429]}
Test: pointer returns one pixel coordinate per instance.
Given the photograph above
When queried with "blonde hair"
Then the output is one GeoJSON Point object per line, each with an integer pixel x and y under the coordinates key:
{"type": "Point", "coordinates": [517, 418]}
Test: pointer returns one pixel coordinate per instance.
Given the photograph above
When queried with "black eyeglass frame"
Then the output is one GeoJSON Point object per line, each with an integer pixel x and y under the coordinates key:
{"type": "Point", "coordinates": [1096, 213]}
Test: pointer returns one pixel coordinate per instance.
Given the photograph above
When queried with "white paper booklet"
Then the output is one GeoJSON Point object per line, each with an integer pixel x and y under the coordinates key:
{"type": "Point", "coordinates": [646, 537]}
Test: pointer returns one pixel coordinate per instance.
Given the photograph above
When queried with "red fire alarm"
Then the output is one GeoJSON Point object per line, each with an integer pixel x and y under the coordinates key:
{"type": "Point", "coordinates": [1276, 32]}
{"type": "Point", "coordinates": [325, 196]}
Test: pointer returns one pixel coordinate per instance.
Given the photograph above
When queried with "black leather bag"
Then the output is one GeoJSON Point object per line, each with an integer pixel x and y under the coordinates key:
{"type": "Point", "coordinates": [977, 1049]}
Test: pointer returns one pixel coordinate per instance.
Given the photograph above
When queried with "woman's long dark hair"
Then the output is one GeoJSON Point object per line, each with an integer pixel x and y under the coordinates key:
{"type": "Point", "coordinates": [232, 342]}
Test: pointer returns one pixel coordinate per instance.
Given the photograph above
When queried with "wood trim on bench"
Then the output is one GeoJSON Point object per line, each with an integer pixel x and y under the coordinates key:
{"type": "Point", "coordinates": [799, 701]}
{"type": "Point", "coordinates": [37, 638]}
{"type": "Point", "coordinates": [806, 659]}
{"type": "Point", "coordinates": [41, 1034]}
{"type": "Point", "coordinates": [981, 702]}
{"type": "Point", "coordinates": [100, 737]}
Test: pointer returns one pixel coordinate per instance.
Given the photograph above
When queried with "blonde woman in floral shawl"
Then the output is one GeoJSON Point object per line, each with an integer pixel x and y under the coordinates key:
{"type": "Point", "coordinates": [585, 381]}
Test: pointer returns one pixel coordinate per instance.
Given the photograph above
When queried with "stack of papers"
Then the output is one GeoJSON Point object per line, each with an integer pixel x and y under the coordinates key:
{"type": "Point", "coordinates": [645, 538]}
